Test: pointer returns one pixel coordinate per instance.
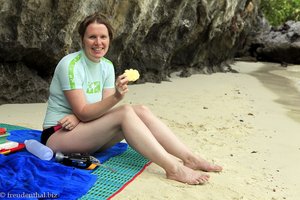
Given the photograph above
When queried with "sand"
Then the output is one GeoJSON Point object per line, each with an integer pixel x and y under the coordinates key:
{"type": "Point", "coordinates": [248, 122]}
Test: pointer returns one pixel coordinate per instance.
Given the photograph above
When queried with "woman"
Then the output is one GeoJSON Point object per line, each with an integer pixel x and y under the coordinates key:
{"type": "Point", "coordinates": [82, 117]}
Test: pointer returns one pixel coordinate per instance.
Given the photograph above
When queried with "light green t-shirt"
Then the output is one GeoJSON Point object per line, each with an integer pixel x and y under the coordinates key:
{"type": "Point", "coordinates": [76, 71]}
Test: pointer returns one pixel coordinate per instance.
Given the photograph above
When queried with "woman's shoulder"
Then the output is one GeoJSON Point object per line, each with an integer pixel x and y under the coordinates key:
{"type": "Point", "coordinates": [72, 57]}
{"type": "Point", "coordinates": [106, 61]}
{"type": "Point", "coordinates": [68, 61]}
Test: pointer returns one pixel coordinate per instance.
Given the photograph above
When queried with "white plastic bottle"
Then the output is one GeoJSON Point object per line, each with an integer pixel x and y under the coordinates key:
{"type": "Point", "coordinates": [38, 149]}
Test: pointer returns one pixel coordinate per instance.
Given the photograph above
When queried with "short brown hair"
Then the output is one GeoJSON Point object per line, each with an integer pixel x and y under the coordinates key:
{"type": "Point", "coordinates": [98, 18]}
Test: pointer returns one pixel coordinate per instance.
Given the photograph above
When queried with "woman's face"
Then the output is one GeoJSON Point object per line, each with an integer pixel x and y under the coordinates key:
{"type": "Point", "coordinates": [95, 41]}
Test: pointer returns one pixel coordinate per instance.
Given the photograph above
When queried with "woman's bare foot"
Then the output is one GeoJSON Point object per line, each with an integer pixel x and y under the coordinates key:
{"type": "Point", "coordinates": [187, 175]}
{"type": "Point", "coordinates": [198, 163]}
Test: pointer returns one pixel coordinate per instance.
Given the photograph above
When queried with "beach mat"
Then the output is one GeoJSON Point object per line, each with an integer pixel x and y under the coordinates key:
{"type": "Point", "coordinates": [117, 171]}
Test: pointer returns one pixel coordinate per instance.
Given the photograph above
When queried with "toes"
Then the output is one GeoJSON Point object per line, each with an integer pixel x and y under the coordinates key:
{"type": "Point", "coordinates": [216, 168]}
{"type": "Point", "coordinates": [189, 176]}
{"type": "Point", "coordinates": [212, 168]}
{"type": "Point", "coordinates": [203, 179]}
{"type": "Point", "coordinates": [200, 180]}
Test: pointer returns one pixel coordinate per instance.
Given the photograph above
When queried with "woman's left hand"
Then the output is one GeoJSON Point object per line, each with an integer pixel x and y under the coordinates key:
{"type": "Point", "coordinates": [69, 122]}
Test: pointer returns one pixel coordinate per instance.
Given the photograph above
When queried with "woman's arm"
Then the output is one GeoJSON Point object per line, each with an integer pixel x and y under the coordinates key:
{"type": "Point", "coordinates": [87, 112]}
{"type": "Point", "coordinates": [108, 92]}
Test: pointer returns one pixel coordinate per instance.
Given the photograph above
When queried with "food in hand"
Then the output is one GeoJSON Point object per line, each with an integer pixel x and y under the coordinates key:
{"type": "Point", "coordinates": [132, 74]}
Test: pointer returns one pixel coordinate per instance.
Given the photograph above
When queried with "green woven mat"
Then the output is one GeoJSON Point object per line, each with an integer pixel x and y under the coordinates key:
{"type": "Point", "coordinates": [12, 127]}
{"type": "Point", "coordinates": [115, 173]}
{"type": "Point", "coordinates": [123, 169]}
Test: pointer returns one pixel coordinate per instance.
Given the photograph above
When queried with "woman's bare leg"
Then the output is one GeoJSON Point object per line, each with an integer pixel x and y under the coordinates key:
{"type": "Point", "coordinates": [88, 137]}
{"type": "Point", "coordinates": [171, 143]}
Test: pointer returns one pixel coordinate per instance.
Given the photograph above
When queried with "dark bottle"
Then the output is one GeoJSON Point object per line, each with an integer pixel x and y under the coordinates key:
{"type": "Point", "coordinates": [78, 160]}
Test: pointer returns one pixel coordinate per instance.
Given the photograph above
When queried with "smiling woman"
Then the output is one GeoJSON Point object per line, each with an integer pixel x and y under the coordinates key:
{"type": "Point", "coordinates": [82, 118]}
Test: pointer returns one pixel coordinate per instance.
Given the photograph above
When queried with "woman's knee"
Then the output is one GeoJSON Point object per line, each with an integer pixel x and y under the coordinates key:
{"type": "Point", "coordinates": [142, 110]}
{"type": "Point", "coordinates": [126, 109]}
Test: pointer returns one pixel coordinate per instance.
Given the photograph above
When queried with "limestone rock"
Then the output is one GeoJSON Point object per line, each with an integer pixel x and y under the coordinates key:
{"type": "Point", "coordinates": [156, 37]}
{"type": "Point", "coordinates": [274, 44]}
{"type": "Point", "coordinates": [21, 85]}
{"type": "Point", "coordinates": [281, 44]}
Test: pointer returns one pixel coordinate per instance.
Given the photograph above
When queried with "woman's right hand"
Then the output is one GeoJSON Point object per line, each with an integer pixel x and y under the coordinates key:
{"type": "Point", "coordinates": [121, 86]}
{"type": "Point", "coordinates": [69, 122]}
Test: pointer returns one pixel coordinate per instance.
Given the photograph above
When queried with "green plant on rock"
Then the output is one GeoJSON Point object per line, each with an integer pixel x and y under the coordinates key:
{"type": "Point", "coordinates": [280, 11]}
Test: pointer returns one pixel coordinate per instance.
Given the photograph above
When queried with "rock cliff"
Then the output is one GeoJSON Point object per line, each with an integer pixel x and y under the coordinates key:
{"type": "Point", "coordinates": [156, 37]}
{"type": "Point", "coordinates": [277, 44]}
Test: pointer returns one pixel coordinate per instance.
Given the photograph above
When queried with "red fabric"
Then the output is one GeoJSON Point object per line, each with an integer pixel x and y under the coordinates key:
{"type": "Point", "coordinates": [57, 127]}
{"type": "Point", "coordinates": [7, 151]}
{"type": "Point", "coordinates": [2, 131]}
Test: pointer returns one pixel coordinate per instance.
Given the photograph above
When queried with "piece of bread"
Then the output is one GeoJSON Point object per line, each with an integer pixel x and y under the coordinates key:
{"type": "Point", "coordinates": [132, 74]}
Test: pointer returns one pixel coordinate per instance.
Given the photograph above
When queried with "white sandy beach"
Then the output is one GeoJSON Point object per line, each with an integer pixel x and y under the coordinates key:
{"type": "Point", "coordinates": [251, 128]}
